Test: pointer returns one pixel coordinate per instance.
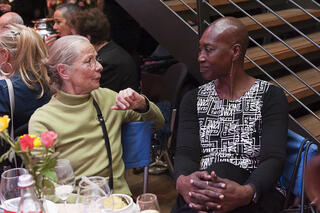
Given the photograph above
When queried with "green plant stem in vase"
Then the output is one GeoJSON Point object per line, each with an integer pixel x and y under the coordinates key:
{"type": "Point", "coordinates": [37, 156]}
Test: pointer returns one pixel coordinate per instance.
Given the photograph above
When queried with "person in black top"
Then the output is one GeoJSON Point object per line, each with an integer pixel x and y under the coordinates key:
{"type": "Point", "coordinates": [126, 31]}
{"type": "Point", "coordinates": [119, 69]}
{"type": "Point", "coordinates": [232, 132]}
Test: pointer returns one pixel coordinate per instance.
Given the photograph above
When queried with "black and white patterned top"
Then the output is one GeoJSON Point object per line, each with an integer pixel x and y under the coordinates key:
{"type": "Point", "coordinates": [230, 130]}
{"type": "Point", "coordinates": [250, 132]}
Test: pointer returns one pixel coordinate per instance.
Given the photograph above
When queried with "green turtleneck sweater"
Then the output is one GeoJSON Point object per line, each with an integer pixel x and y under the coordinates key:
{"type": "Point", "coordinates": [80, 137]}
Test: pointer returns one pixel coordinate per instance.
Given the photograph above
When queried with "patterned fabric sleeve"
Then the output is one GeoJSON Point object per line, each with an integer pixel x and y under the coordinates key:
{"type": "Point", "coordinates": [273, 141]}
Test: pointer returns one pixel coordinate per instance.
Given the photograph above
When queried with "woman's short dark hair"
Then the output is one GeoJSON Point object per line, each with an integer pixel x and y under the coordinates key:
{"type": "Point", "coordinates": [91, 22]}
{"type": "Point", "coordinates": [67, 9]}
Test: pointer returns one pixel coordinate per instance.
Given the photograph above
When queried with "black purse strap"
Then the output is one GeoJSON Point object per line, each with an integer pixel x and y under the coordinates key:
{"type": "Point", "coordinates": [106, 139]}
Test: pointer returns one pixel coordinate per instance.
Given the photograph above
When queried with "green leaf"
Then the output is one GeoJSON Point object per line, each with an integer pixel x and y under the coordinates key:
{"type": "Point", "coordinates": [49, 174]}
{"type": "Point", "coordinates": [50, 164]}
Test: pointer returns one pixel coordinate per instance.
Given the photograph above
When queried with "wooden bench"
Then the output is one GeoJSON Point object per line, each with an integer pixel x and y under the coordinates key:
{"type": "Point", "coordinates": [280, 51]}
{"type": "Point", "coordinates": [270, 20]}
{"type": "Point", "coordinates": [311, 123]}
{"type": "Point", "coordinates": [177, 6]}
{"type": "Point", "coordinates": [297, 88]}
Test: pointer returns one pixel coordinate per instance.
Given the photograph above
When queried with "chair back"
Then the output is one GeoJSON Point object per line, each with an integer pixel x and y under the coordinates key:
{"type": "Point", "coordinates": [174, 79]}
{"type": "Point", "coordinates": [136, 142]}
{"type": "Point", "coordinates": [299, 151]}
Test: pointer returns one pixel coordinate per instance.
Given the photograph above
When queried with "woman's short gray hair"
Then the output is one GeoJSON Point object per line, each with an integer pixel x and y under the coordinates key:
{"type": "Point", "coordinates": [65, 50]}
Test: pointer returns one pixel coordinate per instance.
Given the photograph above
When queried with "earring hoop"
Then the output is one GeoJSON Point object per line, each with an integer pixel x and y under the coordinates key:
{"type": "Point", "coordinates": [5, 73]}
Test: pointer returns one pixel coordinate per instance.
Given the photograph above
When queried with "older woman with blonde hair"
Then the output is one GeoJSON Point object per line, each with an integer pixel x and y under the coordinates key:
{"type": "Point", "coordinates": [21, 53]}
{"type": "Point", "coordinates": [72, 112]}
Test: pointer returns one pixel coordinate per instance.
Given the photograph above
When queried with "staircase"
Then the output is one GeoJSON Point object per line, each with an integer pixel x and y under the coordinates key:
{"type": "Point", "coordinates": [284, 43]}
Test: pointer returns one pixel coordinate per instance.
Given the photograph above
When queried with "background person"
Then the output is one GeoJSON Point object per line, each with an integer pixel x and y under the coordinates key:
{"type": "Point", "coordinates": [10, 18]}
{"type": "Point", "coordinates": [61, 26]}
{"type": "Point", "coordinates": [232, 132]}
{"type": "Point", "coordinates": [29, 10]}
{"type": "Point", "coordinates": [312, 181]}
{"type": "Point", "coordinates": [75, 75]}
{"type": "Point", "coordinates": [21, 54]}
{"type": "Point", "coordinates": [119, 69]}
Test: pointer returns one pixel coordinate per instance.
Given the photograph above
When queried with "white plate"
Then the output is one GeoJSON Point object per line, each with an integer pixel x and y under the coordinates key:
{"type": "Point", "coordinates": [51, 207]}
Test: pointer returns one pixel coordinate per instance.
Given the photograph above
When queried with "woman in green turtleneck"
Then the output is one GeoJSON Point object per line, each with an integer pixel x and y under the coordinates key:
{"type": "Point", "coordinates": [75, 75]}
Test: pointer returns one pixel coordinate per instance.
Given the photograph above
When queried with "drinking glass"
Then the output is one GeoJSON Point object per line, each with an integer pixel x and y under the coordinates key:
{"type": "Point", "coordinates": [66, 179]}
{"type": "Point", "coordinates": [91, 190]}
{"type": "Point", "coordinates": [148, 203]}
{"type": "Point", "coordinates": [9, 190]}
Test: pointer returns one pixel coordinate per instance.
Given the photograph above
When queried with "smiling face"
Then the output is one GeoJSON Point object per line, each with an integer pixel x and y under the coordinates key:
{"type": "Point", "coordinates": [83, 75]}
{"type": "Point", "coordinates": [60, 23]}
{"type": "Point", "coordinates": [215, 55]}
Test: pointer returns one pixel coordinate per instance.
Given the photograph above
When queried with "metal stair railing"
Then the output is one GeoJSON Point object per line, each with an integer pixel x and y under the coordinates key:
{"type": "Point", "coordinates": [288, 23]}
{"type": "Point", "coordinates": [187, 6]}
{"type": "Point", "coordinates": [316, 3]}
{"type": "Point", "coordinates": [301, 8]}
{"type": "Point", "coordinates": [281, 63]}
{"type": "Point", "coordinates": [277, 37]}
{"type": "Point", "coordinates": [202, 21]}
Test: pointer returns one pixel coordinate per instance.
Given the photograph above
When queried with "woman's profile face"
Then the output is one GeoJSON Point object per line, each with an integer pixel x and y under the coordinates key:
{"type": "Point", "coordinates": [60, 23]}
{"type": "Point", "coordinates": [84, 73]}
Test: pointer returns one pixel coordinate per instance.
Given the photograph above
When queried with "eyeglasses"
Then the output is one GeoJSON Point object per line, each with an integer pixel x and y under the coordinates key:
{"type": "Point", "coordinates": [93, 61]}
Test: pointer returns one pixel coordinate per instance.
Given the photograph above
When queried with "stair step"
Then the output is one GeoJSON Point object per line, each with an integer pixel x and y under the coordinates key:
{"type": "Point", "coordinates": [177, 6]}
{"type": "Point", "coordinates": [270, 20]}
{"type": "Point", "coordinates": [297, 88]}
{"type": "Point", "coordinates": [311, 123]}
{"type": "Point", "coordinates": [280, 51]}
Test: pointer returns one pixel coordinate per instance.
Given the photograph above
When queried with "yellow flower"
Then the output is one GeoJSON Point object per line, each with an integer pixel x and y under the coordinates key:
{"type": "Point", "coordinates": [36, 141]}
{"type": "Point", "coordinates": [4, 122]}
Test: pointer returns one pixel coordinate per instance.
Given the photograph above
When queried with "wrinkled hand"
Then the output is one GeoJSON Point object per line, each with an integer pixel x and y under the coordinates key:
{"type": "Point", "coordinates": [234, 196]}
{"type": "Point", "coordinates": [130, 99]}
{"type": "Point", "coordinates": [49, 40]}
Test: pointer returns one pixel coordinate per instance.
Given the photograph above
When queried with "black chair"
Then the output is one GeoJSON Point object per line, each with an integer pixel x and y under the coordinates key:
{"type": "Point", "coordinates": [174, 80]}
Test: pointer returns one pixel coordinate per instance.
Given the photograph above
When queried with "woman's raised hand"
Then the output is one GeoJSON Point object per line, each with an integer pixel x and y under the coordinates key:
{"type": "Point", "coordinates": [130, 99]}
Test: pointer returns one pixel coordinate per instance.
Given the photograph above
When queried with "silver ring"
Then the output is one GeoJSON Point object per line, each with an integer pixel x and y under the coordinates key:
{"type": "Point", "coordinates": [207, 183]}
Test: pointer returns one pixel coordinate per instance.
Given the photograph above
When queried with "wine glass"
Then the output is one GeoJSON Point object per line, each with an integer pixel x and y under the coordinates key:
{"type": "Point", "coordinates": [66, 179]}
{"type": "Point", "coordinates": [9, 190]}
{"type": "Point", "coordinates": [148, 203]}
{"type": "Point", "coordinates": [90, 191]}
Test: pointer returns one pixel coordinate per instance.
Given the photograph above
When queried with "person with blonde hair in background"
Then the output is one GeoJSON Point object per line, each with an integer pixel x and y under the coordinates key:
{"type": "Point", "coordinates": [21, 53]}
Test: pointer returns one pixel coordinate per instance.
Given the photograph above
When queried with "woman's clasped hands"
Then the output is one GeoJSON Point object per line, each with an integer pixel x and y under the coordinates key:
{"type": "Point", "coordinates": [209, 193]}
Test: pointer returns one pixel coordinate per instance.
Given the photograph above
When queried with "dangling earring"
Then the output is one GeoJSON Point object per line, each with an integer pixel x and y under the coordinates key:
{"type": "Point", "coordinates": [231, 69]}
{"type": "Point", "coordinates": [5, 73]}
